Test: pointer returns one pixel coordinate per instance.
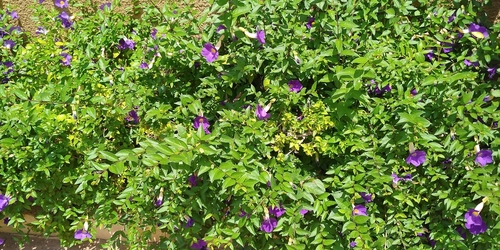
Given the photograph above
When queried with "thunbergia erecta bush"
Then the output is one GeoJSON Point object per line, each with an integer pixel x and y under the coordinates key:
{"type": "Point", "coordinates": [253, 124]}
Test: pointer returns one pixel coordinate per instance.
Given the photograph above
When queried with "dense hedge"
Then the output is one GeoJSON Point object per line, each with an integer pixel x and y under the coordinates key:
{"type": "Point", "coordinates": [297, 124]}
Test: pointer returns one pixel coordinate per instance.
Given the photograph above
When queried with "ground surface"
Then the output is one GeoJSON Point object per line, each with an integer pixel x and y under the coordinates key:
{"type": "Point", "coordinates": [40, 243]}
{"type": "Point", "coordinates": [494, 11]}
{"type": "Point", "coordinates": [25, 13]}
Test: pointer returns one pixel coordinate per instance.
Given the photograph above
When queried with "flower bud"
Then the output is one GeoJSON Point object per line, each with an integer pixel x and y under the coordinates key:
{"type": "Point", "coordinates": [479, 207]}
{"type": "Point", "coordinates": [411, 147]}
{"type": "Point", "coordinates": [477, 148]}
{"type": "Point", "coordinates": [219, 43]}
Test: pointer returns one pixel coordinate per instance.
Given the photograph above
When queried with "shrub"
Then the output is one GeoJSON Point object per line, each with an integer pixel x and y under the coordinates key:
{"type": "Point", "coordinates": [256, 125]}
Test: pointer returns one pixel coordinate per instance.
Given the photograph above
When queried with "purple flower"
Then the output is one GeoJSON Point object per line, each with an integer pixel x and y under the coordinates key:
{"type": "Point", "coordinates": [2, 241]}
{"type": "Point", "coordinates": [132, 117]}
{"type": "Point", "coordinates": [81, 234]}
{"type": "Point", "coordinates": [387, 88]}
{"type": "Point", "coordinates": [452, 17]}
{"type": "Point", "coordinates": [13, 14]}
{"type": "Point", "coordinates": [494, 125]}
{"type": "Point", "coordinates": [105, 5]}
{"type": "Point", "coordinates": [220, 27]}
{"type": "Point", "coordinates": [143, 65]}
{"type": "Point", "coordinates": [41, 31]}
{"type": "Point", "coordinates": [209, 52]}
{"type": "Point", "coordinates": [268, 225]}
{"type": "Point", "coordinates": [353, 244]}
{"type": "Point", "coordinates": [474, 223]}
{"type": "Point", "coordinates": [243, 214]}
{"type": "Point", "coordinates": [484, 157]}
{"type": "Point", "coordinates": [41, 1]}
{"type": "Point", "coordinates": [262, 113]}
{"type": "Point", "coordinates": [447, 47]}
{"type": "Point", "coordinates": [374, 89]}
{"type": "Point", "coordinates": [197, 65]}
{"type": "Point", "coordinates": [277, 211]}
{"type": "Point", "coordinates": [199, 245]}
{"type": "Point", "coordinates": [295, 86]}
{"type": "Point", "coordinates": [9, 66]}
{"type": "Point", "coordinates": [396, 178]}
{"type": "Point", "coordinates": [366, 196]}
{"type": "Point", "coordinates": [467, 62]}
{"type": "Point", "coordinates": [431, 242]}
{"type": "Point", "coordinates": [200, 120]}
{"type": "Point", "coordinates": [4, 202]}
{"type": "Point", "coordinates": [153, 33]}
{"type": "Point", "coordinates": [416, 158]}
{"type": "Point", "coordinates": [65, 19]}
{"type": "Point", "coordinates": [303, 211]}
{"type": "Point", "coordinates": [189, 223]}
{"type": "Point", "coordinates": [261, 36]}
{"type": "Point", "coordinates": [413, 92]}
{"type": "Point", "coordinates": [66, 60]}
{"type": "Point", "coordinates": [446, 162]}
{"type": "Point", "coordinates": [491, 72]}
{"type": "Point", "coordinates": [478, 31]}
{"type": "Point", "coordinates": [269, 184]}
{"type": "Point", "coordinates": [159, 202]}
{"type": "Point", "coordinates": [310, 22]}
{"type": "Point", "coordinates": [407, 178]}
{"type": "Point", "coordinates": [6, 220]}
{"type": "Point", "coordinates": [487, 98]}
{"type": "Point", "coordinates": [16, 29]}
{"type": "Point", "coordinates": [125, 43]}
{"type": "Point", "coordinates": [429, 56]}
{"type": "Point", "coordinates": [359, 210]}
{"type": "Point", "coordinates": [462, 232]}
{"type": "Point", "coordinates": [192, 180]}
{"type": "Point", "coordinates": [9, 44]}
{"type": "Point", "coordinates": [61, 3]}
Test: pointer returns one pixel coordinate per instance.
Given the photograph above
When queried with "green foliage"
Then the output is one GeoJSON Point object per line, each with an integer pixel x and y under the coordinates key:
{"type": "Point", "coordinates": [72, 150]}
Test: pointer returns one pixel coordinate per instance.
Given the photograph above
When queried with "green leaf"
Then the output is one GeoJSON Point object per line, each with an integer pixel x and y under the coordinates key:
{"type": "Point", "coordinates": [360, 219]}
{"type": "Point", "coordinates": [124, 154]}
{"type": "Point", "coordinates": [206, 149]}
{"type": "Point", "coordinates": [91, 112]}
{"type": "Point", "coordinates": [228, 182]}
{"type": "Point", "coordinates": [348, 226]}
{"type": "Point", "coordinates": [390, 13]}
{"type": "Point", "coordinates": [203, 169]}
{"type": "Point", "coordinates": [176, 143]}
{"type": "Point", "coordinates": [117, 168]}
{"type": "Point", "coordinates": [215, 174]}
{"type": "Point", "coordinates": [164, 149]}
{"type": "Point", "coordinates": [347, 24]}
{"type": "Point", "coordinates": [241, 10]}
{"type": "Point", "coordinates": [315, 187]}
{"type": "Point", "coordinates": [360, 60]}
{"type": "Point", "coordinates": [108, 156]}
{"type": "Point", "coordinates": [20, 94]}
